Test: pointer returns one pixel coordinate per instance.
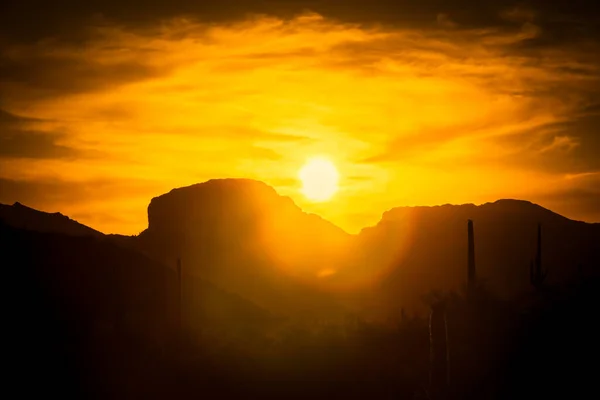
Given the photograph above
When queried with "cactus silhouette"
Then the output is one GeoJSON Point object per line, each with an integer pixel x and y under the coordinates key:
{"type": "Point", "coordinates": [471, 272]}
{"type": "Point", "coordinates": [536, 274]}
{"type": "Point", "coordinates": [439, 373]}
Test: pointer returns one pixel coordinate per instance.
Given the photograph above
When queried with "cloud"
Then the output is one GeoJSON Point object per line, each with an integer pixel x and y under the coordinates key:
{"type": "Point", "coordinates": [20, 139]}
{"type": "Point", "coordinates": [54, 192]}
{"type": "Point", "coordinates": [427, 103]}
{"type": "Point", "coordinates": [62, 75]}
{"type": "Point", "coordinates": [576, 196]}
{"type": "Point", "coordinates": [70, 20]}
{"type": "Point", "coordinates": [52, 69]}
{"type": "Point", "coordinates": [99, 203]}
{"type": "Point", "coordinates": [519, 13]}
{"type": "Point", "coordinates": [570, 146]}
{"type": "Point", "coordinates": [560, 143]}
{"type": "Point", "coordinates": [445, 21]}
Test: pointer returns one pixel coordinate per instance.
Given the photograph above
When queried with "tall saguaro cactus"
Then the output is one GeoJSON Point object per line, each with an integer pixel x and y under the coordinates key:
{"type": "Point", "coordinates": [536, 274]}
{"type": "Point", "coordinates": [471, 271]}
{"type": "Point", "coordinates": [439, 355]}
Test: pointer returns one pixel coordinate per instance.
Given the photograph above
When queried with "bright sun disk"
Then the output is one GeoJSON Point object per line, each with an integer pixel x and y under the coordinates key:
{"type": "Point", "coordinates": [319, 178]}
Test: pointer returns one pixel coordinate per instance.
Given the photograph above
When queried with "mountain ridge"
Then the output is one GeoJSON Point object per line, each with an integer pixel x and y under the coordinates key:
{"type": "Point", "coordinates": [5, 208]}
{"type": "Point", "coordinates": [245, 238]}
{"type": "Point", "coordinates": [499, 202]}
{"type": "Point", "coordinates": [21, 216]}
{"type": "Point", "coordinates": [215, 182]}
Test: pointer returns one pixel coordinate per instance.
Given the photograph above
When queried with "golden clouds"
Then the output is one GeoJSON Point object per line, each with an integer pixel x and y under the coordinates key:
{"type": "Point", "coordinates": [409, 116]}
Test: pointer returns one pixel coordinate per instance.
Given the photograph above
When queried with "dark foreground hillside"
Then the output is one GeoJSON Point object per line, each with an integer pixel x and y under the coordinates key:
{"type": "Point", "coordinates": [89, 319]}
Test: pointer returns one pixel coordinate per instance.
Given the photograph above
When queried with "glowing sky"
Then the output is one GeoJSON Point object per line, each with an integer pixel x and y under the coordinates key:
{"type": "Point", "coordinates": [100, 112]}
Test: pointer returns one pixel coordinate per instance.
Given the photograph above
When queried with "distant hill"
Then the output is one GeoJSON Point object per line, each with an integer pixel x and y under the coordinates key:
{"type": "Point", "coordinates": [414, 250]}
{"type": "Point", "coordinates": [20, 216]}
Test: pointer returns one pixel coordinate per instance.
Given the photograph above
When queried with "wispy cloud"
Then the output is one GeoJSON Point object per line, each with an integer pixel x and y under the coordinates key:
{"type": "Point", "coordinates": [448, 112]}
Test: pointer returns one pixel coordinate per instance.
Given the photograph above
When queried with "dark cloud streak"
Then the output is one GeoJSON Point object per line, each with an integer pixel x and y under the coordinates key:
{"type": "Point", "coordinates": [579, 200]}
{"type": "Point", "coordinates": [19, 140]}
{"type": "Point", "coordinates": [54, 192]}
{"type": "Point", "coordinates": [60, 76]}
{"type": "Point", "coordinates": [68, 19]}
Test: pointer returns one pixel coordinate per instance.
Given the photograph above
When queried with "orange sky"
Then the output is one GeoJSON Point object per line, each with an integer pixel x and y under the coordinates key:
{"type": "Point", "coordinates": [409, 116]}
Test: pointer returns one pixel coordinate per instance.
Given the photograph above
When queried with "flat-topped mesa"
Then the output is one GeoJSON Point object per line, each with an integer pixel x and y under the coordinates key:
{"type": "Point", "coordinates": [242, 235]}
{"type": "Point", "coordinates": [224, 199]}
{"type": "Point", "coordinates": [211, 197]}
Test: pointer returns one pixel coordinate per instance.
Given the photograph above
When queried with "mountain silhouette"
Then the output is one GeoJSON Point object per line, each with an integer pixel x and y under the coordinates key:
{"type": "Point", "coordinates": [415, 250]}
{"type": "Point", "coordinates": [268, 293]}
{"type": "Point", "coordinates": [244, 237]}
{"type": "Point", "coordinates": [20, 216]}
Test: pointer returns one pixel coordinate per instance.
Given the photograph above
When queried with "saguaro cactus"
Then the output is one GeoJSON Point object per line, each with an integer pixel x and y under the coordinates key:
{"type": "Point", "coordinates": [471, 271]}
{"type": "Point", "coordinates": [536, 274]}
{"type": "Point", "coordinates": [439, 355]}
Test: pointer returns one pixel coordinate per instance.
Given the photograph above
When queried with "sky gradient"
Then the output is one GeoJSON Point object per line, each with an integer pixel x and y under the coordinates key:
{"type": "Point", "coordinates": [105, 105]}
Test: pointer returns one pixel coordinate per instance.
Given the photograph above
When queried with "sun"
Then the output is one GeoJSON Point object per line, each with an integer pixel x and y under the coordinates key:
{"type": "Point", "coordinates": [319, 178]}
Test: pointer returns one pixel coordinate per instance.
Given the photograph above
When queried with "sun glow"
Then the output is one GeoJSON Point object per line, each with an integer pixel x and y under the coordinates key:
{"type": "Point", "coordinates": [190, 101]}
{"type": "Point", "coordinates": [319, 178]}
